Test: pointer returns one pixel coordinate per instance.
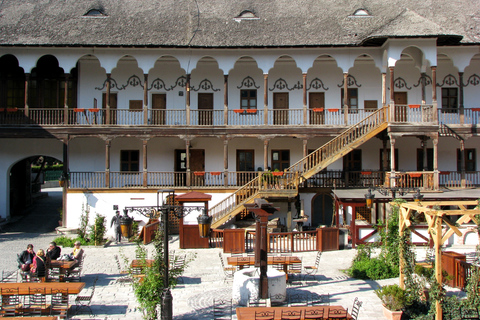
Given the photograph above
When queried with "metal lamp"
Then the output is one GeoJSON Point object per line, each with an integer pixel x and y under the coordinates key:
{"type": "Point", "coordinates": [369, 198]}
{"type": "Point", "coordinates": [204, 222]}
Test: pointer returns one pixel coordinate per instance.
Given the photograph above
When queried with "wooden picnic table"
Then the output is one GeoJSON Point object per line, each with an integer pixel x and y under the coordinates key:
{"type": "Point", "coordinates": [248, 313]}
{"type": "Point", "coordinates": [24, 288]}
{"type": "Point", "coordinates": [62, 266]}
{"type": "Point", "coordinates": [241, 262]}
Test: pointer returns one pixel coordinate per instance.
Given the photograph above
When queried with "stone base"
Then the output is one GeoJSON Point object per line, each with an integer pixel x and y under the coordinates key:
{"type": "Point", "coordinates": [246, 284]}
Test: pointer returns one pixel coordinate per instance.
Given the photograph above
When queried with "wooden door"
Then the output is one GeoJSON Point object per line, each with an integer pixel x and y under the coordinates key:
{"type": "Point", "coordinates": [400, 99]}
{"type": "Point", "coordinates": [159, 105]}
{"type": "Point", "coordinates": [205, 109]}
{"type": "Point", "coordinates": [197, 164]}
{"type": "Point", "coordinates": [245, 166]}
{"type": "Point", "coordinates": [352, 165]}
{"type": "Point", "coordinates": [280, 108]}
{"type": "Point", "coordinates": [113, 108]}
{"type": "Point", "coordinates": [322, 208]}
{"type": "Point", "coordinates": [316, 101]}
{"type": "Point", "coordinates": [180, 167]}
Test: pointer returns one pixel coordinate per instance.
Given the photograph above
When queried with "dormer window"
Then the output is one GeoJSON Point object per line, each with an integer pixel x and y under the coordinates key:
{"type": "Point", "coordinates": [246, 15]}
{"type": "Point", "coordinates": [361, 13]}
{"type": "Point", "coordinates": [95, 13]}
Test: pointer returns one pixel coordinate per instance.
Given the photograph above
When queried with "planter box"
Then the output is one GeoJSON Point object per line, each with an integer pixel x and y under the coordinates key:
{"type": "Point", "coordinates": [392, 315]}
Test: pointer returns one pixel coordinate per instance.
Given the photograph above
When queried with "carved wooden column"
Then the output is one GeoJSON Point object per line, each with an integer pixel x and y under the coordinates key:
{"type": "Point", "coordinates": [305, 149]}
{"type": "Point", "coordinates": [435, 164]}
{"type": "Point", "coordinates": [434, 95]}
{"type": "Point", "coordinates": [462, 163]}
{"type": "Point", "coordinates": [27, 80]}
{"type": "Point", "coordinates": [392, 161]}
{"type": "Point", "coordinates": [145, 172]}
{"type": "Point", "coordinates": [225, 161]}
{"type": "Point", "coordinates": [66, 181]}
{"type": "Point", "coordinates": [265, 154]}
{"type": "Point", "coordinates": [265, 99]}
{"type": "Point", "coordinates": [392, 94]}
{"type": "Point", "coordinates": [187, 154]}
{"type": "Point", "coordinates": [304, 75]}
{"type": "Point", "coordinates": [345, 97]}
{"type": "Point", "coordinates": [107, 99]}
{"type": "Point", "coordinates": [145, 99]}
{"type": "Point", "coordinates": [460, 98]}
{"type": "Point", "coordinates": [384, 89]}
{"type": "Point", "coordinates": [423, 82]}
{"type": "Point", "coordinates": [187, 98]}
{"type": "Point", "coordinates": [108, 144]}
{"type": "Point", "coordinates": [65, 100]}
{"type": "Point", "coordinates": [225, 99]}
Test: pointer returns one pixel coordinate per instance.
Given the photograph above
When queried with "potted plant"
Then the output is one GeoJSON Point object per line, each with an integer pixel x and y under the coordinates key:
{"type": "Point", "coordinates": [393, 300]}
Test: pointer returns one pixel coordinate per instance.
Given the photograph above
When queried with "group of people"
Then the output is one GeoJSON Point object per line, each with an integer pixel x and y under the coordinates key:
{"type": "Point", "coordinates": [35, 264]}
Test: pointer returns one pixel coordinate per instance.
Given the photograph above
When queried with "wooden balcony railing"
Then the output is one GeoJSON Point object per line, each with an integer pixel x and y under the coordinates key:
{"type": "Point", "coordinates": [454, 116]}
{"type": "Point", "coordinates": [423, 180]}
{"type": "Point", "coordinates": [453, 179]}
{"type": "Point", "coordinates": [252, 117]}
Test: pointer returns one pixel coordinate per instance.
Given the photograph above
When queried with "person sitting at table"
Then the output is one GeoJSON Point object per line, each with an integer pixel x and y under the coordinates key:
{"type": "Point", "coordinates": [25, 259]}
{"type": "Point", "coordinates": [39, 268]}
{"type": "Point", "coordinates": [77, 254]}
{"type": "Point", "coordinates": [53, 251]}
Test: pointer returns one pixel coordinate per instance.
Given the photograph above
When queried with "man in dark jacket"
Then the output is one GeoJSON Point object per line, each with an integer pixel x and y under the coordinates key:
{"type": "Point", "coordinates": [53, 251]}
{"type": "Point", "coordinates": [118, 227]}
{"type": "Point", "coordinates": [25, 259]}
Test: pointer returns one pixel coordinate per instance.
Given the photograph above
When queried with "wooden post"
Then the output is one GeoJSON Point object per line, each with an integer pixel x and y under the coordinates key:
{"type": "Point", "coordinates": [434, 95]}
{"type": "Point", "coordinates": [225, 99]}
{"type": "Point", "coordinates": [462, 163]}
{"type": "Point", "coordinates": [384, 89]}
{"type": "Point", "coordinates": [265, 99]}
{"type": "Point", "coordinates": [225, 161]}
{"type": "Point", "coordinates": [305, 149]}
{"type": "Point", "coordinates": [435, 164]}
{"type": "Point", "coordinates": [107, 100]}
{"type": "Point", "coordinates": [392, 161]}
{"type": "Point", "coordinates": [304, 76]}
{"type": "Point", "coordinates": [145, 99]}
{"type": "Point", "coordinates": [345, 97]}
{"type": "Point", "coordinates": [187, 99]}
{"type": "Point", "coordinates": [392, 94]}
{"type": "Point", "coordinates": [27, 80]}
{"type": "Point", "coordinates": [66, 181]}
{"type": "Point", "coordinates": [65, 100]}
{"type": "Point", "coordinates": [187, 154]}
{"type": "Point", "coordinates": [108, 144]}
{"type": "Point", "coordinates": [145, 172]}
{"type": "Point", "coordinates": [265, 154]}
{"type": "Point", "coordinates": [460, 98]}
{"type": "Point", "coordinates": [401, 266]}
{"type": "Point", "coordinates": [438, 263]}
{"type": "Point", "coordinates": [423, 83]}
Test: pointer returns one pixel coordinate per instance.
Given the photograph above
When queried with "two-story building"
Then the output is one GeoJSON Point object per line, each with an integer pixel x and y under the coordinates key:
{"type": "Point", "coordinates": [300, 102]}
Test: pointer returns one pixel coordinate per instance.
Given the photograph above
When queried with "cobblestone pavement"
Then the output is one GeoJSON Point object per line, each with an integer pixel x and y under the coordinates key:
{"type": "Point", "coordinates": [202, 281]}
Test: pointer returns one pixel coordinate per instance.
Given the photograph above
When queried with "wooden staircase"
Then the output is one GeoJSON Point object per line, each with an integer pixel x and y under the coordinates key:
{"type": "Point", "coordinates": [285, 184]}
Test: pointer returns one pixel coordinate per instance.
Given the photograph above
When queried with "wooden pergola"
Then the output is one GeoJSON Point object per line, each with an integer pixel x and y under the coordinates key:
{"type": "Point", "coordinates": [435, 218]}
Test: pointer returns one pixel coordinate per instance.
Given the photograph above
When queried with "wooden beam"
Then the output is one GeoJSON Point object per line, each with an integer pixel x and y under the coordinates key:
{"type": "Point", "coordinates": [438, 264]}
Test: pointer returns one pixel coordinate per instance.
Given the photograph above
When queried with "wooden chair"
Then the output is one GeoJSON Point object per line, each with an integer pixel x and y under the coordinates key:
{"type": "Point", "coordinates": [60, 304]}
{"type": "Point", "coordinates": [298, 300]}
{"type": "Point", "coordinates": [119, 266]}
{"type": "Point", "coordinates": [257, 302]}
{"type": "Point", "coordinates": [76, 273]}
{"type": "Point", "coordinates": [337, 314]}
{"type": "Point", "coordinates": [222, 309]}
{"type": "Point", "coordinates": [316, 314]}
{"type": "Point", "coordinates": [357, 304]}
{"type": "Point", "coordinates": [83, 302]}
{"type": "Point", "coordinates": [228, 271]}
{"type": "Point", "coordinates": [264, 315]}
{"type": "Point", "coordinates": [11, 305]}
{"type": "Point", "coordinates": [294, 270]}
{"type": "Point", "coordinates": [320, 299]}
{"type": "Point", "coordinates": [312, 270]}
{"type": "Point", "coordinates": [278, 299]}
{"type": "Point", "coordinates": [37, 302]}
{"type": "Point", "coordinates": [291, 314]}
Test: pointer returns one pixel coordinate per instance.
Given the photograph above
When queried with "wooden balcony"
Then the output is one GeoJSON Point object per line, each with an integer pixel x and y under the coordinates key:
{"type": "Point", "coordinates": [221, 180]}
{"type": "Point", "coordinates": [210, 118]}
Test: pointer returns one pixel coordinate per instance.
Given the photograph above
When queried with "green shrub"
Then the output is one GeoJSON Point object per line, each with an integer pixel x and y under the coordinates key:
{"type": "Point", "coordinates": [392, 296]}
{"type": "Point", "coordinates": [98, 229]}
{"type": "Point", "coordinates": [68, 242]}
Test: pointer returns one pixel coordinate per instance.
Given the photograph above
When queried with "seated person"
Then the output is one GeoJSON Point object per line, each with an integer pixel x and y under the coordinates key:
{"type": "Point", "coordinates": [25, 259]}
{"type": "Point", "coordinates": [38, 268]}
{"type": "Point", "coordinates": [77, 254]}
{"type": "Point", "coordinates": [53, 251]}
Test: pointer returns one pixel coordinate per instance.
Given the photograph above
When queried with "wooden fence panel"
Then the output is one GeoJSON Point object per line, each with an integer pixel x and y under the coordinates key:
{"type": "Point", "coordinates": [233, 240]}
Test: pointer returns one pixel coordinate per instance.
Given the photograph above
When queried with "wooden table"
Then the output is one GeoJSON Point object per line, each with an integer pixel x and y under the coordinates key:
{"type": "Point", "coordinates": [33, 318]}
{"type": "Point", "coordinates": [62, 266]}
{"type": "Point", "coordinates": [138, 263]}
{"type": "Point", "coordinates": [248, 313]}
{"type": "Point", "coordinates": [25, 287]}
{"type": "Point", "coordinates": [241, 262]}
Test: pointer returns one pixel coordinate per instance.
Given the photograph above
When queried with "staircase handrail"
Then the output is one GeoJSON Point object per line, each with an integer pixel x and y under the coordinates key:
{"type": "Point", "coordinates": [348, 136]}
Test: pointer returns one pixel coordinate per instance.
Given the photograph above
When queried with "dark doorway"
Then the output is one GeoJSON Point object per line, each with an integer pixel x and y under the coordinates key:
{"type": "Point", "coordinates": [322, 210]}
{"type": "Point", "coordinates": [316, 102]}
{"type": "Point", "coordinates": [205, 109]}
{"type": "Point", "coordinates": [280, 107]}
